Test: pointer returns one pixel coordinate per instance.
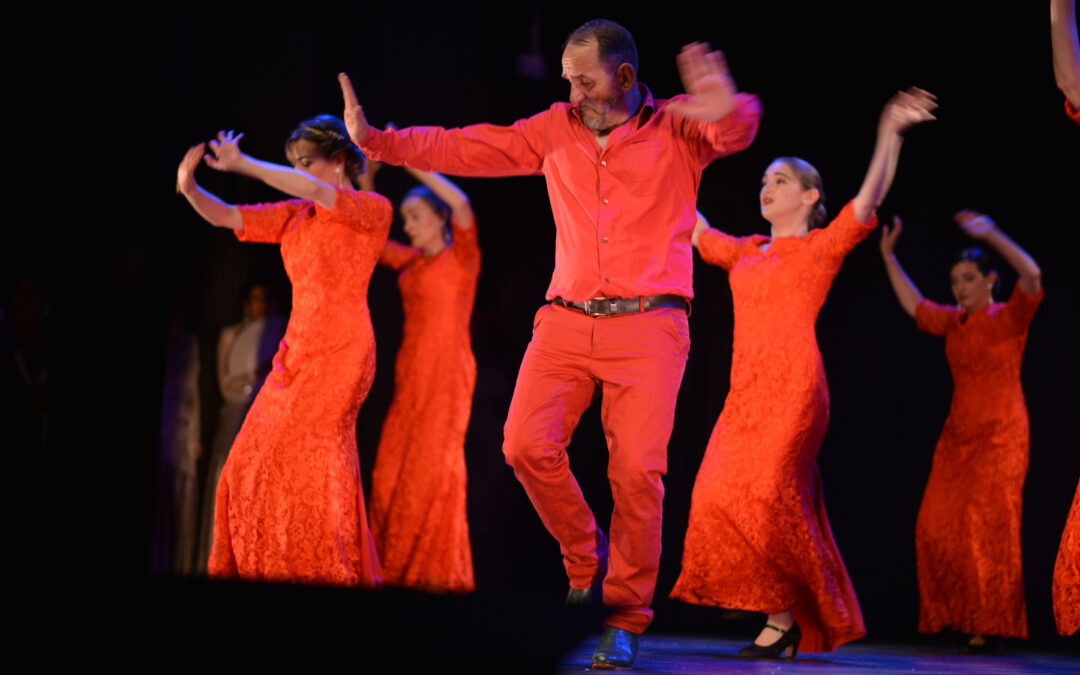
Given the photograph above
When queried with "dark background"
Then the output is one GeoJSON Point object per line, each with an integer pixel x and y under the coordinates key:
{"type": "Point", "coordinates": [141, 85]}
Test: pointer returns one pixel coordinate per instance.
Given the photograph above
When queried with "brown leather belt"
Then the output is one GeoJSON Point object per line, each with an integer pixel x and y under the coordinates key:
{"type": "Point", "coordinates": [611, 306]}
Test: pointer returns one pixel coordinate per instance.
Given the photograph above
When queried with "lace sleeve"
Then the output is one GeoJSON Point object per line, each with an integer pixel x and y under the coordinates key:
{"type": "Point", "coordinates": [466, 245]}
{"type": "Point", "coordinates": [1020, 308]}
{"type": "Point", "coordinates": [397, 256]}
{"type": "Point", "coordinates": [933, 318]}
{"type": "Point", "coordinates": [719, 248]}
{"type": "Point", "coordinates": [832, 244]}
{"type": "Point", "coordinates": [266, 223]}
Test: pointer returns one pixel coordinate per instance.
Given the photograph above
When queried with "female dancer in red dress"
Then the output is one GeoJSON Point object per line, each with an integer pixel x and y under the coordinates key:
{"type": "Point", "coordinates": [1066, 48]}
{"type": "Point", "coordinates": [418, 515]}
{"type": "Point", "coordinates": [967, 536]}
{"type": "Point", "coordinates": [1066, 584]}
{"type": "Point", "coordinates": [289, 502]}
{"type": "Point", "coordinates": [758, 537]}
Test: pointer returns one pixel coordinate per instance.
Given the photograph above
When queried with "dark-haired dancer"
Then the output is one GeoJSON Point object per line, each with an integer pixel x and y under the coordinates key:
{"type": "Point", "coordinates": [967, 536]}
{"type": "Point", "coordinates": [418, 488]}
{"type": "Point", "coordinates": [758, 537]}
{"type": "Point", "coordinates": [622, 173]}
{"type": "Point", "coordinates": [289, 503]}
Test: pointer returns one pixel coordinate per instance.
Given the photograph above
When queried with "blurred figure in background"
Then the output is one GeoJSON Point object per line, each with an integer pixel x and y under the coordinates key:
{"type": "Point", "coordinates": [23, 398]}
{"type": "Point", "coordinates": [245, 354]}
{"type": "Point", "coordinates": [177, 504]}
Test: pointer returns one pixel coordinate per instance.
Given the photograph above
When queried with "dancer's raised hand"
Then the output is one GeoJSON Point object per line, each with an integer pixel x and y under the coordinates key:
{"type": "Point", "coordinates": [185, 173]}
{"type": "Point", "coordinates": [904, 110]}
{"type": "Point", "coordinates": [890, 235]}
{"type": "Point", "coordinates": [908, 108]}
{"type": "Point", "coordinates": [226, 149]}
{"type": "Point", "coordinates": [975, 224]}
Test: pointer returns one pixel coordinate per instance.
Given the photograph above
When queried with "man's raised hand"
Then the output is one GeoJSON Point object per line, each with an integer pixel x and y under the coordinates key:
{"type": "Point", "coordinates": [706, 79]}
{"type": "Point", "coordinates": [354, 118]}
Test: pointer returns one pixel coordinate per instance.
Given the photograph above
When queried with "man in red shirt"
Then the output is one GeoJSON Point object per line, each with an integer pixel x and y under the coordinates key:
{"type": "Point", "coordinates": [622, 173]}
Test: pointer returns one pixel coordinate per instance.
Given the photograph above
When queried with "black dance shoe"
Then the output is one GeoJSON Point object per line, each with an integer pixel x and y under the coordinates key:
{"type": "Point", "coordinates": [592, 596]}
{"type": "Point", "coordinates": [617, 649]}
{"type": "Point", "coordinates": [786, 647]}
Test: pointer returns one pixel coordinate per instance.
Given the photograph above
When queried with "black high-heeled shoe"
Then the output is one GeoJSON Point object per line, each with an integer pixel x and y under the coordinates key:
{"type": "Point", "coordinates": [788, 645]}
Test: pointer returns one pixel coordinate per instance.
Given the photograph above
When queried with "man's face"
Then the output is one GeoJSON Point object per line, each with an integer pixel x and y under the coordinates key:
{"type": "Point", "coordinates": [595, 89]}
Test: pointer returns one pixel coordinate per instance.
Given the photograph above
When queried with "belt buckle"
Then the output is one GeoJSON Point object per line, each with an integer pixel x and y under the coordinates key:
{"type": "Point", "coordinates": [595, 306]}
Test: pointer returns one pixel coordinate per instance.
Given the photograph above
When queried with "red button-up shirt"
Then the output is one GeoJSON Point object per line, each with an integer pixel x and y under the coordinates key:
{"type": "Point", "coordinates": [623, 213]}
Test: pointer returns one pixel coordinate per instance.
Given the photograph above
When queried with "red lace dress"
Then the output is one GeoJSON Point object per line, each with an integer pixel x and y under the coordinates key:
{"type": "Point", "coordinates": [417, 514]}
{"type": "Point", "coordinates": [289, 503]}
{"type": "Point", "coordinates": [1066, 585]}
{"type": "Point", "coordinates": [758, 537]}
{"type": "Point", "coordinates": [967, 535]}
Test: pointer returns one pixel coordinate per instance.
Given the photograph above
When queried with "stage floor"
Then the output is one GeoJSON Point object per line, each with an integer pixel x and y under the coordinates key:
{"type": "Point", "coordinates": [669, 654]}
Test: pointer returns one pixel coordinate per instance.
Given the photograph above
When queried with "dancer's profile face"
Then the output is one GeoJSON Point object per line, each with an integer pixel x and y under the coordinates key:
{"type": "Point", "coordinates": [597, 89]}
{"type": "Point", "coordinates": [422, 223]}
{"type": "Point", "coordinates": [972, 289]}
{"type": "Point", "coordinates": [305, 156]}
{"type": "Point", "coordinates": [782, 195]}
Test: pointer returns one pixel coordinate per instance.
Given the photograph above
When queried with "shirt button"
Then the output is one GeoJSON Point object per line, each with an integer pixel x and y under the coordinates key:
{"type": "Point", "coordinates": [603, 162]}
{"type": "Point", "coordinates": [605, 200]}
{"type": "Point", "coordinates": [607, 281]}
{"type": "Point", "coordinates": [604, 240]}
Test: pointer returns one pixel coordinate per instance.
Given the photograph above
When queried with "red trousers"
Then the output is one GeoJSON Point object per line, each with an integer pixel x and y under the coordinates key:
{"type": "Point", "coordinates": [637, 360]}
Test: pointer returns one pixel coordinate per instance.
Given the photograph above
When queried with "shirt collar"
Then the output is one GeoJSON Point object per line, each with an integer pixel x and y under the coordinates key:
{"type": "Point", "coordinates": [648, 106]}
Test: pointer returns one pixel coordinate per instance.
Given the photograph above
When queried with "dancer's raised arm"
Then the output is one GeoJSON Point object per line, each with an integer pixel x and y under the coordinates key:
{"type": "Point", "coordinates": [904, 110]}
{"type": "Point", "coordinates": [455, 198]}
{"type": "Point", "coordinates": [1066, 48]}
{"type": "Point", "coordinates": [906, 291]}
{"type": "Point", "coordinates": [458, 201]}
{"type": "Point", "coordinates": [981, 227]}
{"type": "Point", "coordinates": [215, 211]}
{"type": "Point", "coordinates": [228, 157]}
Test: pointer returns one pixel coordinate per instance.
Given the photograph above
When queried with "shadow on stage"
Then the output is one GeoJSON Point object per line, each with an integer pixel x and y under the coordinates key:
{"type": "Point", "coordinates": [389, 629]}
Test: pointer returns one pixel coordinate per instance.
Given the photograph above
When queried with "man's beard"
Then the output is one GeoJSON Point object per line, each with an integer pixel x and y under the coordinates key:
{"type": "Point", "coordinates": [605, 121]}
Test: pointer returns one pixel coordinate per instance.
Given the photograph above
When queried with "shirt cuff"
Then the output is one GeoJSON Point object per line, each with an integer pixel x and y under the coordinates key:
{"type": "Point", "coordinates": [1072, 112]}
{"type": "Point", "coordinates": [374, 144]}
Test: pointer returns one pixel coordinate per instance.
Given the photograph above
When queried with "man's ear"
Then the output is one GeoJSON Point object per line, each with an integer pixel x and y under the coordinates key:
{"type": "Point", "coordinates": [626, 76]}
